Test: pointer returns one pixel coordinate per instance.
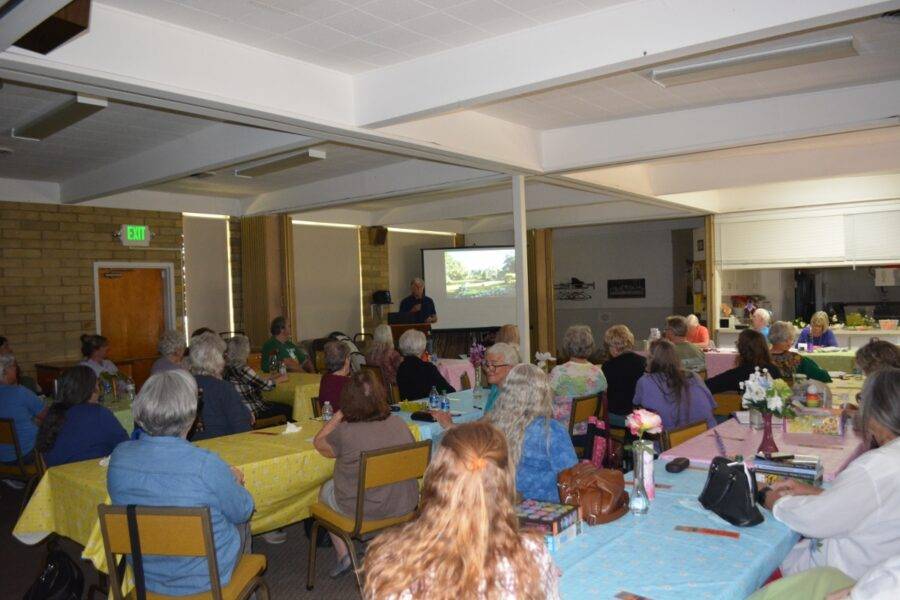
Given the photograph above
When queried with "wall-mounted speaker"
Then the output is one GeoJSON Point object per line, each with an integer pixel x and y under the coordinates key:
{"type": "Point", "coordinates": [378, 236]}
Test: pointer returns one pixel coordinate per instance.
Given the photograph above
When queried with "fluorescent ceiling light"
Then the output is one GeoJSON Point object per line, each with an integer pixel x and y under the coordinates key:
{"type": "Point", "coordinates": [801, 54]}
{"type": "Point", "coordinates": [421, 231]}
{"type": "Point", "coordinates": [316, 224]}
{"type": "Point", "coordinates": [80, 107]}
{"type": "Point", "coordinates": [205, 216]}
{"type": "Point", "coordinates": [280, 162]}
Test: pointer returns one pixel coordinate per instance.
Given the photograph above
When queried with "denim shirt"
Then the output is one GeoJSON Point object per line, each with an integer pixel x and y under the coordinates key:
{"type": "Point", "coordinates": [170, 471]}
{"type": "Point", "coordinates": [546, 450]}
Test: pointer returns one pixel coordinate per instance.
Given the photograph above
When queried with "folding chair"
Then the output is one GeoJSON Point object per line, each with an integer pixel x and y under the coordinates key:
{"type": "Point", "coordinates": [727, 403]}
{"type": "Point", "coordinates": [29, 473]}
{"type": "Point", "coordinates": [582, 409]}
{"type": "Point", "coordinates": [680, 435]}
{"type": "Point", "coordinates": [270, 422]}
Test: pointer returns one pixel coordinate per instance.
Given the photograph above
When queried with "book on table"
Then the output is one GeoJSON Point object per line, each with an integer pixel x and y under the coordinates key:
{"type": "Point", "coordinates": [558, 523]}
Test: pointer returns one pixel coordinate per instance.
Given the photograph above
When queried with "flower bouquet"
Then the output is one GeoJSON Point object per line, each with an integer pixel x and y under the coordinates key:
{"type": "Point", "coordinates": [767, 397]}
{"type": "Point", "coordinates": [640, 422]}
{"type": "Point", "coordinates": [543, 360]}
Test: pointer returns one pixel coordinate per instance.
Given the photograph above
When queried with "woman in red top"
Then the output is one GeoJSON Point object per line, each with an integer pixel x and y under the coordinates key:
{"type": "Point", "coordinates": [337, 362]}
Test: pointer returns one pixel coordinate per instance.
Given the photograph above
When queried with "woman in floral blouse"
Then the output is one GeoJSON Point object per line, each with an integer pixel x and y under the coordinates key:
{"type": "Point", "coordinates": [578, 377]}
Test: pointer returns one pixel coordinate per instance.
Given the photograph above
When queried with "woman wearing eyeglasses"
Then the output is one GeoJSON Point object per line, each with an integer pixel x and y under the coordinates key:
{"type": "Point", "coordinates": [499, 359]}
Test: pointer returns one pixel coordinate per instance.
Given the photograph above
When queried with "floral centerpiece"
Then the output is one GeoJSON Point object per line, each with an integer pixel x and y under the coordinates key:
{"type": "Point", "coordinates": [768, 397]}
{"type": "Point", "coordinates": [639, 423]}
{"type": "Point", "coordinates": [543, 360]}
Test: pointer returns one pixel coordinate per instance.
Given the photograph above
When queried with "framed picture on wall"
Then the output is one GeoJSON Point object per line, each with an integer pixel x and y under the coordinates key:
{"type": "Point", "coordinates": [626, 288]}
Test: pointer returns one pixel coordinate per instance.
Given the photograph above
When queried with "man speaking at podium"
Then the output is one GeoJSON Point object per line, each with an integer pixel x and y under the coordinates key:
{"type": "Point", "coordinates": [419, 306]}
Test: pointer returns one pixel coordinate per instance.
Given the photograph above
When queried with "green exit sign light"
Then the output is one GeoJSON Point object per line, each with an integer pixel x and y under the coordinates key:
{"type": "Point", "coordinates": [135, 235]}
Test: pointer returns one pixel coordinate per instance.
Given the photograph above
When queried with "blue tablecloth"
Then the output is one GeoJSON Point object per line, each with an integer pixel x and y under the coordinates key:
{"type": "Point", "coordinates": [645, 555]}
{"type": "Point", "coordinates": [462, 406]}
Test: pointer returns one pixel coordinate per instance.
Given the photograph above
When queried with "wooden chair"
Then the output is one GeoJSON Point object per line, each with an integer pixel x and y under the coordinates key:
{"type": "Point", "coordinates": [40, 466]}
{"type": "Point", "coordinates": [21, 471]}
{"type": "Point", "coordinates": [316, 407]}
{"type": "Point", "coordinates": [171, 531]}
{"type": "Point", "coordinates": [727, 403]}
{"type": "Point", "coordinates": [270, 422]}
{"type": "Point", "coordinates": [376, 468]}
{"type": "Point", "coordinates": [394, 394]}
{"type": "Point", "coordinates": [254, 361]}
{"type": "Point", "coordinates": [680, 435]}
{"type": "Point", "coordinates": [466, 383]}
{"type": "Point", "coordinates": [379, 374]}
{"type": "Point", "coordinates": [582, 409]}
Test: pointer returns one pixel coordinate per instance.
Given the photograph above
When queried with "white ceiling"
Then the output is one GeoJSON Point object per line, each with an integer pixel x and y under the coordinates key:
{"type": "Point", "coordinates": [633, 94]}
{"type": "Point", "coordinates": [114, 133]}
{"type": "Point", "coordinates": [353, 36]}
{"type": "Point", "coordinates": [341, 160]}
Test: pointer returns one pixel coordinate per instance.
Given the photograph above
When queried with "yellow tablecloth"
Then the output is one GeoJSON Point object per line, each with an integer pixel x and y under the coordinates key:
{"type": "Point", "coordinates": [845, 390]}
{"type": "Point", "coordinates": [297, 391]}
{"type": "Point", "coordinates": [844, 360]}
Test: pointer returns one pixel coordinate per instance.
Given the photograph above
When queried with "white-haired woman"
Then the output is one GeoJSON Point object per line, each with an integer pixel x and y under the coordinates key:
{"type": "Point", "coordinates": [222, 410]}
{"type": "Point", "coordinates": [789, 363]}
{"type": "Point", "coordinates": [760, 320]}
{"type": "Point", "coordinates": [577, 377]}
{"type": "Point", "coordinates": [697, 334]}
{"type": "Point", "coordinates": [163, 469]}
{"type": "Point", "coordinates": [817, 333]}
{"type": "Point", "coordinates": [171, 348]}
{"type": "Point", "coordinates": [415, 377]}
{"type": "Point", "coordinates": [383, 354]}
{"type": "Point", "coordinates": [539, 447]}
{"type": "Point", "coordinates": [499, 359]}
{"type": "Point", "coordinates": [249, 384]}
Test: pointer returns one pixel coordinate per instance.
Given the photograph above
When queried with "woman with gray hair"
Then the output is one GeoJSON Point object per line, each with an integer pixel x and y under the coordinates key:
{"type": "Point", "coordinates": [539, 447]}
{"type": "Point", "coordinates": [415, 376]}
{"type": "Point", "coordinates": [760, 320]}
{"type": "Point", "coordinates": [222, 410]}
{"type": "Point", "coordinates": [577, 377]}
{"type": "Point", "coordinates": [249, 384]}
{"type": "Point", "coordinates": [781, 337]}
{"type": "Point", "coordinates": [852, 525]}
{"type": "Point", "coordinates": [383, 355]}
{"type": "Point", "coordinates": [171, 349]}
{"type": "Point", "coordinates": [163, 469]}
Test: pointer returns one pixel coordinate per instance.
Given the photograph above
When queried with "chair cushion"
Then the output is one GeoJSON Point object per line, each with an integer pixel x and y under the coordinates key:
{"type": "Point", "coordinates": [325, 513]}
{"type": "Point", "coordinates": [249, 567]}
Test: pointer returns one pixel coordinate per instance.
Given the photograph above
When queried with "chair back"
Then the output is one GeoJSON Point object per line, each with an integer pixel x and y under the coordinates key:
{"type": "Point", "coordinates": [164, 531]}
{"type": "Point", "coordinates": [394, 395]}
{"type": "Point", "coordinates": [254, 361]}
{"type": "Point", "coordinates": [270, 422]}
{"type": "Point", "coordinates": [377, 372]}
{"type": "Point", "coordinates": [316, 406]}
{"type": "Point", "coordinates": [9, 437]}
{"type": "Point", "coordinates": [465, 381]}
{"type": "Point", "coordinates": [387, 466]}
{"type": "Point", "coordinates": [680, 435]}
{"type": "Point", "coordinates": [582, 409]}
{"type": "Point", "coordinates": [727, 403]}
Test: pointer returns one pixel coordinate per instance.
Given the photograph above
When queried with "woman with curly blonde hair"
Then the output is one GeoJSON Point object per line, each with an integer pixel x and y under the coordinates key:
{"type": "Point", "coordinates": [466, 542]}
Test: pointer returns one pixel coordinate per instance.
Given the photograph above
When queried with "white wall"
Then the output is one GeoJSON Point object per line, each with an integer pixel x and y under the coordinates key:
{"type": "Point", "coordinates": [326, 280]}
{"type": "Point", "coordinates": [405, 259]}
{"type": "Point", "coordinates": [206, 274]}
{"type": "Point", "coordinates": [491, 238]}
{"type": "Point", "coordinates": [622, 251]}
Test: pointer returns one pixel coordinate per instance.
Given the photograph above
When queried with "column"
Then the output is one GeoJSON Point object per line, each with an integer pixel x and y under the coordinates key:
{"type": "Point", "coordinates": [519, 230]}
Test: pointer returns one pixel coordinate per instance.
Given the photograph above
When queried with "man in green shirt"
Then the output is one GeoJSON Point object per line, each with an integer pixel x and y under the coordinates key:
{"type": "Point", "coordinates": [692, 358]}
{"type": "Point", "coordinates": [280, 348]}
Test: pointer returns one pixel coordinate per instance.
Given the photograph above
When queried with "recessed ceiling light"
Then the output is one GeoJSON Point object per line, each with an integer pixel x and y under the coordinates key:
{"type": "Point", "coordinates": [280, 162]}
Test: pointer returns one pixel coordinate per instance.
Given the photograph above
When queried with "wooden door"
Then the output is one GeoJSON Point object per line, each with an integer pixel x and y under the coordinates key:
{"type": "Point", "coordinates": [132, 312]}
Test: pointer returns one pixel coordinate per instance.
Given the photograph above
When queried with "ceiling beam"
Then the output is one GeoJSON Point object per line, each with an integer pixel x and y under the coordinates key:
{"type": "Point", "coordinates": [21, 17]}
{"type": "Point", "coordinates": [217, 146]}
{"type": "Point", "coordinates": [622, 37]}
{"type": "Point", "coordinates": [722, 126]}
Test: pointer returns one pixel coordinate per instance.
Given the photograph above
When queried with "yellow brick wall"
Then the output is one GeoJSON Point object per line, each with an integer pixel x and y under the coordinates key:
{"type": "Point", "coordinates": [375, 275]}
{"type": "Point", "coordinates": [47, 253]}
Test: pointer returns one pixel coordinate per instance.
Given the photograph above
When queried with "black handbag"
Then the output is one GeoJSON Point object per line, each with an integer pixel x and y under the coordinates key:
{"type": "Point", "coordinates": [730, 492]}
{"type": "Point", "coordinates": [60, 579]}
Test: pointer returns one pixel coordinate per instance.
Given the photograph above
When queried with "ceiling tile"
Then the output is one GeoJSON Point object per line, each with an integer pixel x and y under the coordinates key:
{"type": "Point", "coordinates": [358, 49]}
{"type": "Point", "coordinates": [397, 11]}
{"type": "Point", "coordinates": [395, 38]}
{"type": "Point", "coordinates": [436, 24]}
{"type": "Point", "coordinates": [230, 9]}
{"type": "Point", "coordinates": [477, 12]}
{"type": "Point", "coordinates": [356, 23]}
{"type": "Point", "coordinates": [516, 22]}
{"type": "Point", "coordinates": [319, 36]}
{"type": "Point", "coordinates": [273, 19]}
{"type": "Point", "coordinates": [311, 9]}
{"type": "Point", "coordinates": [559, 11]}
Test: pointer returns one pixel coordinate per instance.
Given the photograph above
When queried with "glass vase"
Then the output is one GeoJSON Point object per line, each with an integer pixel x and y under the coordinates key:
{"type": "Point", "coordinates": [476, 387]}
{"type": "Point", "coordinates": [640, 498]}
{"type": "Point", "coordinates": [756, 419]}
{"type": "Point", "coordinates": [767, 447]}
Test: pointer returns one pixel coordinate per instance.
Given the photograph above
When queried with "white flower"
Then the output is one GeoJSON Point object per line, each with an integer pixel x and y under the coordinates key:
{"type": "Point", "coordinates": [774, 402]}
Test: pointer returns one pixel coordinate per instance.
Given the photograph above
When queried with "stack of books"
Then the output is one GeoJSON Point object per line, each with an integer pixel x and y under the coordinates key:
{"type": "Point", "coordinates": [807, 469]}
{"type": "Point", "coordinates": [558, 523]}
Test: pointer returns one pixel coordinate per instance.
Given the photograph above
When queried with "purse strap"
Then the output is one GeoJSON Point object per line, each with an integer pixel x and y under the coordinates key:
{"type": "Point", "coordinates": [137, 558]}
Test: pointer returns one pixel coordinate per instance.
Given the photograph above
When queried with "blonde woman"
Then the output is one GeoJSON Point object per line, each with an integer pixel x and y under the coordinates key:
{"type": "Point", "coordinates": [622, 371]}
{"type": "Point", "coordinates": [539, 446]}
{"type": "Point", "coordinates": [507, 334]}
{"type": "Point", "coordinates": [817, 332]}
{"type": "Point", "coordinates": [383, 354]}
{"type": "Point", "coordinates": [466, 542]}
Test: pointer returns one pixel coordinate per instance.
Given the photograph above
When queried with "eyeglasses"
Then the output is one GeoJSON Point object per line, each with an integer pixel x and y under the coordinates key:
{"type": "Point", "coordinates": [491, 367]}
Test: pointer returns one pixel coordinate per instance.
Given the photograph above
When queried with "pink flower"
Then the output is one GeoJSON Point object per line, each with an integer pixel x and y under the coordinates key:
{"type": "Point", "coordinates": [643, 421]}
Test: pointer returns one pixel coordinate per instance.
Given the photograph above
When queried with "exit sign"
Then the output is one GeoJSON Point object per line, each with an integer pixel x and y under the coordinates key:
{"type": "Point", "coordinates": [135, 235]}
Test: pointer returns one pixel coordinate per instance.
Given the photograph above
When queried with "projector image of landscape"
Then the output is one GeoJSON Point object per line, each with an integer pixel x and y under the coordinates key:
{"type": "Point", "coordinates": [480, 273]}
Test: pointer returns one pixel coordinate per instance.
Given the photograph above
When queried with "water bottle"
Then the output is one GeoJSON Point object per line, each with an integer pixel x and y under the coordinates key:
{"type": "Point", "coordinates": [327, 412]}
{"type": "Point", "coordinates": [282, 368]}
{"type": "Point", "coordinates": [129, 390]}
{"type": "Point", "coordinates": [445, 401]}
{"type": "Point", "coordinates": [434, 402]}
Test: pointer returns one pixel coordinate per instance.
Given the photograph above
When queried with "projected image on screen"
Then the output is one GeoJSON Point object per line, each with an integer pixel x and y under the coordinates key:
{"type": "Point", "coordinates": [482, 274]}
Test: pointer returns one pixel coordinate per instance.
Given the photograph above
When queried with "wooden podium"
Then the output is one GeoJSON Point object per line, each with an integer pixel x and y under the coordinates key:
{"type": "Point", "coordinates": [399, 330]}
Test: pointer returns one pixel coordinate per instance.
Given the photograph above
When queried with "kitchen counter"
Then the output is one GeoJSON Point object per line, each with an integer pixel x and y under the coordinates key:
{"type": "Point", "coordinates": [726, 337]}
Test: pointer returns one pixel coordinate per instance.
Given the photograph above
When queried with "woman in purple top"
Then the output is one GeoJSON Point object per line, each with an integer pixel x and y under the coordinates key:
{"type": "Point", "coordinates": [679, 398]}
{"type": "Point", "coordinates": [817, 332]}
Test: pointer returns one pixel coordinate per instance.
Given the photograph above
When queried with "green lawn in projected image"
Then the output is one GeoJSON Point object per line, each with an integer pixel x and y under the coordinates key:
{"type": "Point", "coordinates": [480, 273]}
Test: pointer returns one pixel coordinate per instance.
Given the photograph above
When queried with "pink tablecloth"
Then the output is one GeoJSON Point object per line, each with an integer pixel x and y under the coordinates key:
{"type": "Point", "coordinates": [835, 452]}
{"type": "Point", "coordinates": [453, 368]}
{"type": "Point", "coordinates": [718, 362]}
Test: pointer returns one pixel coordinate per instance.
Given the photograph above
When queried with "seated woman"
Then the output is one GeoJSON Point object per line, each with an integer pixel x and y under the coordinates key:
{"type": "Point", "coordinates": [499, 359]}
{"type": "Point", "coordinates": [854, 524]}
{"type": "Point", "coordinates": [507, 334]}
{"type": "Point", "coordinates": [171, 349]}
{"type": "Point", "coordinates": [222, 411]}
{"type": "Point", "coordinates": [753, 352]}
{"type": "Point", "coordinates": [337, 363]}
{"type": "Point", "coordinates": [23, 380]}
{"type": "Point", "coordinates": [760, 321]}
{"type": "Point", "coordinates": [23, 407]}
{"type": "Point", "coordinates": [877, 354]}
{"type": "Point", "coordinates": [781, 336]}
{"type": "Point", "coordinates": [94, 349]}
{"type": "Point", "coordinates": [364, 423]}
{"type": "Point", "coordinates": [678, 397]}
{"type": "Point", "coordinates": [697, 334]}
{"type": "Point", "coordinates": [622, 371]}
{"type": "Point", "coordinates": [163, 469]}
{"type": "Point", "coordinates": [415, 377]}
{"type": "Point", "coordinates": [539, 447]}
{"type": "Point", "coordinates": [577, 377]}
{"type": "Point", "coordinates": [383, 354]}
{"type": "Point", "coordinates": [817, 333]}
{"type": "Point", "coordinates": [250, 385]}
{"type": "Point", "coordinates": [77, 427]}
{"type": "Point", "coordinates": [467, 535]}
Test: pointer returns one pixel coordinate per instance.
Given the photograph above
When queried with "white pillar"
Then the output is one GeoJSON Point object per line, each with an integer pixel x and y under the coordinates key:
{"type": "Point", "coordinates": [520, 229]}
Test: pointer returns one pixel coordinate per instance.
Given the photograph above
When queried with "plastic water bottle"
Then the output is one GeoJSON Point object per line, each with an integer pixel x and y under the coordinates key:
{"type": "Point", "coordinates": [282, 368]}
{"type": "Point", "coordinates": [327, 412]}
{"type": "Point", "coordinates": [129, 390]}
{"type": "Point", "coordinates": [445, 401]}
{"type": "Point", "coordinates": [434, 401]}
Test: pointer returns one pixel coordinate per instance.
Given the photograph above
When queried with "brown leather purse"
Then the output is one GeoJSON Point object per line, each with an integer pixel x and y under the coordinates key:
{"type": "Point", "coordinates": [600, 493]}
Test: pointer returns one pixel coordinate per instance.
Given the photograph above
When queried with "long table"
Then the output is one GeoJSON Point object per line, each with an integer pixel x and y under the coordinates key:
{"type": "Point", "coordinates": [645, 555]}
{"type": "Point", "coordinates": [719, 361]}
{"type": "Point", "coordinates": [297, 391]}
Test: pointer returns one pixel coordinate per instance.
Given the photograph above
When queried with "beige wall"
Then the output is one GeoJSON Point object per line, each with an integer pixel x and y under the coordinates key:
{"type": "Point", "coordinates": [405, 259]}
{"type": "Point", "coordinates": [206, 271]}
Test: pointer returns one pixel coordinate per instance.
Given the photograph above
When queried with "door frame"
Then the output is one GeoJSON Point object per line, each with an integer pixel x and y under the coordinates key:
{"type": "Point", "coordinates": [168, 270]}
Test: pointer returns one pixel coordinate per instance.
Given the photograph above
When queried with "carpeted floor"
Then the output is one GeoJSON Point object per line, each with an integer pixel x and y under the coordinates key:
{"type": "Point", "coordinates": [286, 574]}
